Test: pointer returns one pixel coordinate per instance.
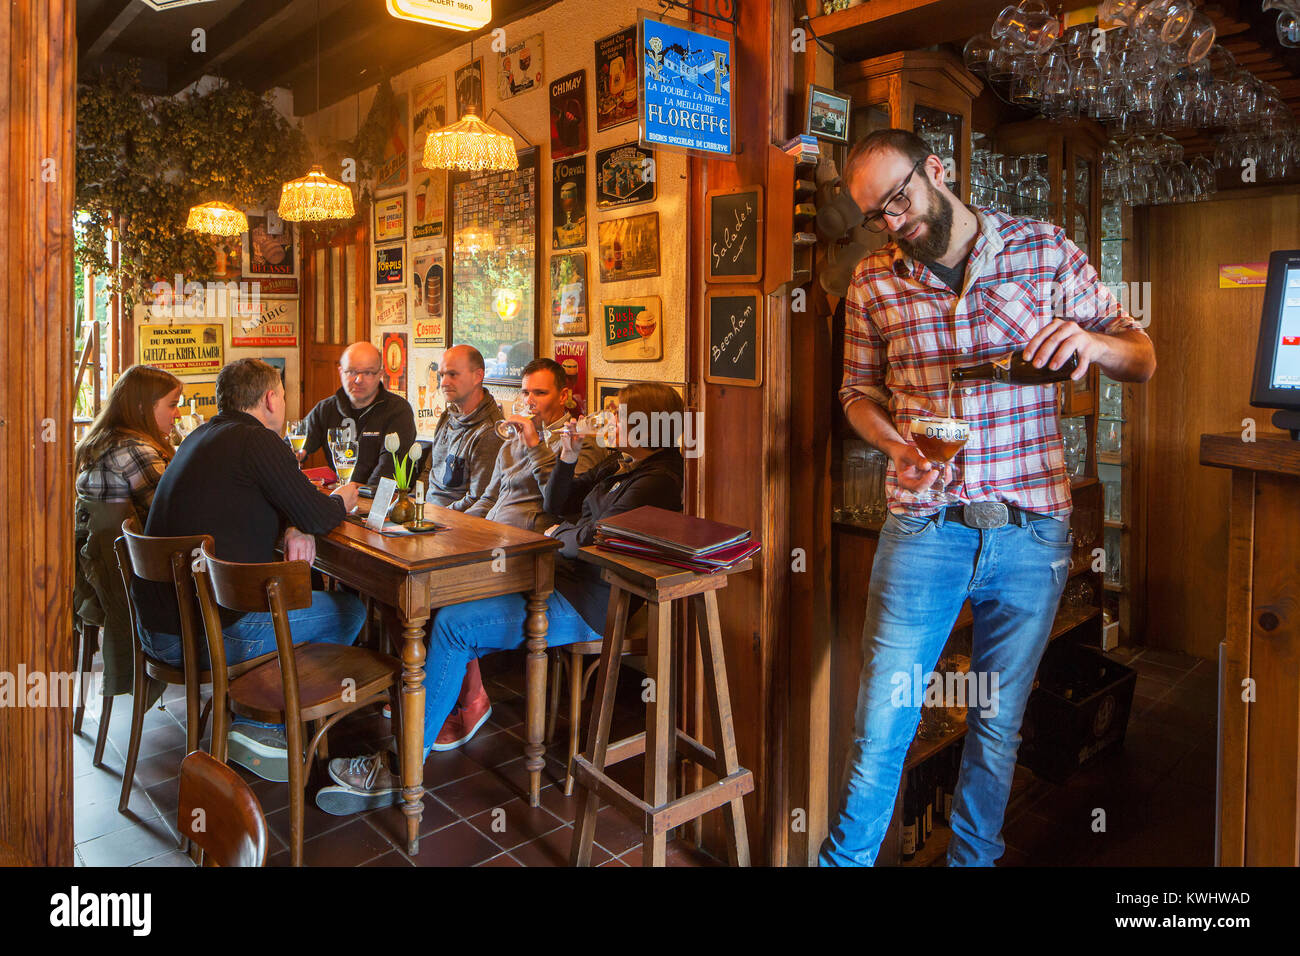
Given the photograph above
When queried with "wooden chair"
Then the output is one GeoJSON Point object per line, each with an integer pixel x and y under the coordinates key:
{"type": "Point", "coordinates": [163, 561]}
{"type": "Point", "coordinates": [87, 635]}
{"type": "Point", "coordinates": [220, 813]}
{"type": "Point", "coordinates": [570, 659]}
{"type": "Point", "coordinates": [661, 742]}
{"type": "Point", "coordinates": [317, 683]}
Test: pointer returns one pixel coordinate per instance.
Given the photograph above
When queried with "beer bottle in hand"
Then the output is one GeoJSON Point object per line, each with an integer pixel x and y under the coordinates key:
{"type": "Point", "coordinates": [1014, 370]}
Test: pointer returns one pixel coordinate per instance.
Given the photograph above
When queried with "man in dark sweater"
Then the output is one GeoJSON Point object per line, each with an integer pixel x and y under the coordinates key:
{"type": "Point", "coordinates": [368, 407]}
{"type": "Point", "coordinates": [235, 479]}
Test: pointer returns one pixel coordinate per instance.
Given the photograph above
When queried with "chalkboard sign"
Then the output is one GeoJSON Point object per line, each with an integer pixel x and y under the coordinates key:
{"type": "Point", "coordinates": [735, 229]}
{"type": "Point", "coordinates": [735, 337]}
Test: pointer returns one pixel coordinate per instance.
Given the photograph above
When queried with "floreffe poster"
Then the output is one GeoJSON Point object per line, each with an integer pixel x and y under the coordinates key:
{"type": "Point", "coordinates": [686, 85]}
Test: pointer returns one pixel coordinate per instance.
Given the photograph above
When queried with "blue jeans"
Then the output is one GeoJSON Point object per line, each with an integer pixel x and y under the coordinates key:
{"type": "Point", "coordinates": [463, 632]}
{"type": "Point", "coordinates": [923, 570]}
{"type": "Point", "coordinates": [334, 617]}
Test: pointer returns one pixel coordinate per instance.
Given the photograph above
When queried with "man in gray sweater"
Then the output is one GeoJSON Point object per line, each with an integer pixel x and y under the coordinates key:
{"type": "Point", "coordinates": [523, 464]}
{"type": "Point", "coordinates": [465, 444]}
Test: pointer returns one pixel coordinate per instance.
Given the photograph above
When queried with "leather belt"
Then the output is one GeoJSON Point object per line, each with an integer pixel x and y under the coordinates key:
{"type": "Point", "coordinates": [991, 514]}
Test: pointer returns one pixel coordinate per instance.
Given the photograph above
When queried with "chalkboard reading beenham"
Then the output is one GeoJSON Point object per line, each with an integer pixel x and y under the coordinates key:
{"type": "Point", "coordinates": [733, 338]}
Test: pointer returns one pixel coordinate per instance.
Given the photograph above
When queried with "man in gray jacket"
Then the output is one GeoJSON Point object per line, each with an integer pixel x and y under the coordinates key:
{"type": "Point", "coordinates": [466, 443]}
{"type": "Point", "coordinates": [514, 496]}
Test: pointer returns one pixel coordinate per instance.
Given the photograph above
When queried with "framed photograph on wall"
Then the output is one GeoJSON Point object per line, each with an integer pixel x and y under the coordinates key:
{"type": "Point", "coordinates": [606, 397]}
{"type": "Point", "coordinates": [828, 114]}
{"type": "Point", "coordinates": [629, 247]}
{"type": "Point", "coordinates": [390, 218]}
{"type": "Point", "coordinates": [493, 266]}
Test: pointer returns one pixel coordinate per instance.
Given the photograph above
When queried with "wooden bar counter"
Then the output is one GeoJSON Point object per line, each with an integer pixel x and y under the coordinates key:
{"type": "Point", "coordinates": [1259, 681]}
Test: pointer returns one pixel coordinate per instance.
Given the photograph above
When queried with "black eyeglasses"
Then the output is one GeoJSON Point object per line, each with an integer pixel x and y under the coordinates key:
{"type": "Point", "coordinates": [896, 206]}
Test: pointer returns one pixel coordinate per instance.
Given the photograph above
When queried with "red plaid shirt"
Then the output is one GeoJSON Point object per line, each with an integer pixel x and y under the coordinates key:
{"type": "Point", "coordinates": [905, 331]}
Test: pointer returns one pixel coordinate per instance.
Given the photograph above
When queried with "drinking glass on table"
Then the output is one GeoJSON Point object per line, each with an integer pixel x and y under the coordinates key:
{"type": "Point", "coordinates": [297, 433]}
{"type": "Point", "coordinates": [345, 460]}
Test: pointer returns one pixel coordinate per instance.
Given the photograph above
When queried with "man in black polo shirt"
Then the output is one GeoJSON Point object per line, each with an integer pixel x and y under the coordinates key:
{"type": "Point", "coordinates": [372, 410]}
{"type": "Point", "coordinates": [235, 479]}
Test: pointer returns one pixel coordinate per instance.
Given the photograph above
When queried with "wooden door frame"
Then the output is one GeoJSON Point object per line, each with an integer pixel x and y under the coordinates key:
{"type": "Point", "coordinates": [38, 47]}
{"type": "Point", "coordinates": [352, 232]}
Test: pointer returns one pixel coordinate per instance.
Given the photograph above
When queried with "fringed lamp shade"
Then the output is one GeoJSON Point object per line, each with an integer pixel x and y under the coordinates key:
{"type": "Point", "coordinates": [469, 144]}
{"type": "Point", "coordinates": [217, 219]}
{"type": "Point", "coordinates": [315, 197]}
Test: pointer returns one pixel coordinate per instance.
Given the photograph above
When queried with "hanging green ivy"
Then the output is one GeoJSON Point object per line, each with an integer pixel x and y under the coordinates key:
{"type": "Point", "coordinates": [143, 161]}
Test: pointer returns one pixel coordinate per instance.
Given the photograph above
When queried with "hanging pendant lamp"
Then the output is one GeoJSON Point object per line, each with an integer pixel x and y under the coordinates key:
{"type": "Point", "coordinates": [469, 144]}
{"type": "Point", "coordinates": [217, 219]}
{"type": "Point", "coordinates": [315, 197]}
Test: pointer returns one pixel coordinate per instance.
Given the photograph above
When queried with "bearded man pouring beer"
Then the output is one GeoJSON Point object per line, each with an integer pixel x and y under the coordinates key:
{"type": "Point", "coordinates": [958, 287]}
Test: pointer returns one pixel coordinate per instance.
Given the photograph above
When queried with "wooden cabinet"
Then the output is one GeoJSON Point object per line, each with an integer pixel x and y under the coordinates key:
{"type": "Point", "coordinates": [926, 91]}
{"type": "Point", "coordinates": [1259, 683]}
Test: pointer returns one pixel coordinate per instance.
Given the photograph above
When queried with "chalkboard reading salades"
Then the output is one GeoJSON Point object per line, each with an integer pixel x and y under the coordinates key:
{"type": "Point", "coordinates": [735, 339]}
{"type": "Point", "coordinates": [735, 234]}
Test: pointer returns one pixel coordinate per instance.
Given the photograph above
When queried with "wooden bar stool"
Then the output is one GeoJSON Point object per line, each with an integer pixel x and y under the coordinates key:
{"type": "Point", "coordinates": [660, 586]}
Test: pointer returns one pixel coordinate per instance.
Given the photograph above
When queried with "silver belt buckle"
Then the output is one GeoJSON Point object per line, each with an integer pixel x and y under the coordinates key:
{"type": "Point", "coordinates": [986, 514]}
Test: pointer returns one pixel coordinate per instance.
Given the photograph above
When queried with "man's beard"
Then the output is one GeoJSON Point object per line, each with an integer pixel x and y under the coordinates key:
{"type": "Point", "coordinates": [938, 232]}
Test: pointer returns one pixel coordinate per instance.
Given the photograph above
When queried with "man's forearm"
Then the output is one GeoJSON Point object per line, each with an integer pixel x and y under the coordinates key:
{"type": "Point", "coordinates": [1129, 356]}
{"type": "Point", "coordinates": [874, 424]}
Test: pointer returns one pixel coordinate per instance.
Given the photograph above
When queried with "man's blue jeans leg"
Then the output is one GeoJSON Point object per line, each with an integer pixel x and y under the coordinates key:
{"type": "Point", "coordinates": [923, 570]}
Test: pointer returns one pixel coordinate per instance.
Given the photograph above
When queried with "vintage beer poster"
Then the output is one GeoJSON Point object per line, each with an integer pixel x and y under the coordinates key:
{"type": "Point", "coordinates": [615, 79]}
{"type": "Point", "coordinates": [572, 357]}
{"type": "Point", "coordinates": [569, 293]}
{"type": "Point", "coordinates": [686, 89]}
{"type": "Point", "coordinates": [520, 68]}
{"type": "Point", "coordinates": [430, 199]}
{"type": "Point", "coordinates": [182, 349]}
{"type": "Point", "coordinates": [201, 397]}
{"type": "Point", "coordinates": [390, 265]}
{"type": "Point", "coordinates": [275, 326]}
{"type": "Point", "coordinates": [625, 175]}
{"type": "Point", "coordinates": [569, 115]}
{"type": "Point", "coordinates": [428, 271]}
{"type": "Point", "coordinates": [428, 112]}
{"type": "Point", "coordinates": [629, 247]}
{"type": "Point", "coordinates": [390, 218]}
{"type": "Point", "coordinates": [390, 308]}
{"type": "Point", "coordinates": [633, 330]}
{"type": "Point", "coordinates": [267, 254]}
{"type": "Point", "coordinates": [393, 165]}
{"type": "Point", "coordinates": [394, 354]}
{"type": "Point", "coordinates": [569, 203]}
{"type": "Point", "coordinates": [469, 88]}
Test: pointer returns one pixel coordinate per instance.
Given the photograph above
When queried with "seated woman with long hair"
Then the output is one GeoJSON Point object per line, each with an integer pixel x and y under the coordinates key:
{"type": "Point", "coordinates": [647, 472]}
{"type": "Point", "coordinates": [119, 464]}
{"type": "Point", "coordinates": [123, 455]}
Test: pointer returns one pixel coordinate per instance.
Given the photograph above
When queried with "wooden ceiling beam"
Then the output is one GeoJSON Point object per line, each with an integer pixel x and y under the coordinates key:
{"type": "Point", "coordinates": [239, 30]}
{"type": "Point", "coordinates": [98, 34]}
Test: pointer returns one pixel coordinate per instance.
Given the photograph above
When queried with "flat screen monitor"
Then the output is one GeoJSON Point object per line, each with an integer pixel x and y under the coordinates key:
{"type": "Point", "coordinates": [1277, 361]}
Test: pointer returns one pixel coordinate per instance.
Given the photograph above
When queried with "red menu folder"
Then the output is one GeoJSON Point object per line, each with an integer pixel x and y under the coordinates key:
{"type": "Point", "coordinates": [673, 532]}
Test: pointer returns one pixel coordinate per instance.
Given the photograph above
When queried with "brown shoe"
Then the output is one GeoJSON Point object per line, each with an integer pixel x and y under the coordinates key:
{"type": "Point", "coordinates": [364, 783]}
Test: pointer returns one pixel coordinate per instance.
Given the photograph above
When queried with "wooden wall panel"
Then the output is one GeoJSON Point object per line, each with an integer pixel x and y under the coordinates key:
{"type": "Point", "coordinates": [37, 179]}
{"type": "Point", "coordinates": [1205, 341]}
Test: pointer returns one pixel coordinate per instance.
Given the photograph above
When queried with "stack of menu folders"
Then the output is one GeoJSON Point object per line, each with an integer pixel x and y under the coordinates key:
{"type": "Point", "coordinates": [668, 537]}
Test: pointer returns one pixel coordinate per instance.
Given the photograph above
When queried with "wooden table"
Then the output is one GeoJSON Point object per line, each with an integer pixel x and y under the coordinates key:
{"type": "Point", "coordinates": [416, 574]}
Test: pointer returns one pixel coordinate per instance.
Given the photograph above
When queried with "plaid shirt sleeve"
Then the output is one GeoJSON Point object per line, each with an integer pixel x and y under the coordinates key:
{"type": "Point", "coordinates": [142, 467]}
{"type": "Point", "coordinates": [1080, 294]}
{"type": "Point", "coordinates": [865, 353]}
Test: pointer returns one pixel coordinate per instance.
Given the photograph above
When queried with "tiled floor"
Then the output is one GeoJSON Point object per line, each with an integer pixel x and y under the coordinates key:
{"type": "Point", "coordinates": [1157, 793]}
{"type": "Point", "coordinates": [476, 811]}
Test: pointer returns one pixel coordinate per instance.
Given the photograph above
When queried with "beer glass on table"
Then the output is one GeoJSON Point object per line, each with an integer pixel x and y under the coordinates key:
{"type": "Point", "coordinates": [940, 439]}
{"type": "Point", "coordinates": [345, 460]}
